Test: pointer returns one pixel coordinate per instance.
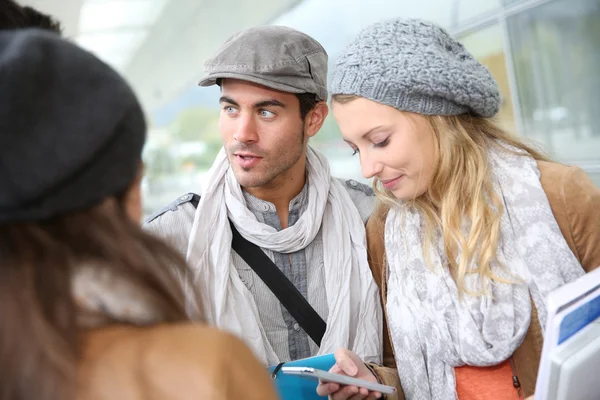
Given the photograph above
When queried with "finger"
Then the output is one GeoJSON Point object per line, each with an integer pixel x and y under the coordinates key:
{"type": "Point", "coordinates": [345, 393]}
{"type": "Point", "coordinates": [369, 394]}
{"type": "Point", "coordinates": [358, 396]}
{"type": "Point", "coordinates": [335, 369]}
{"type": "Point", "coordinates": [347, 365]}
{"type": "Point", "coordinates": [327, 388]}
{"type": "Point", "coordinates": [349, 392]}
{"type": "Point", "coordinates": [343, 358]}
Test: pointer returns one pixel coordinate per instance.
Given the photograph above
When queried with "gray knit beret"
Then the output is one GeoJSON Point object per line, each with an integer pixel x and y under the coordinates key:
{"type": "Point", "coordinates": [71, 129]}
{"type": "Point", "coordinates": [415, 66]}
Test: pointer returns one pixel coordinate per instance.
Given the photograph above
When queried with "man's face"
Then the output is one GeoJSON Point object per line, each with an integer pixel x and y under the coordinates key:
{"type": "Point", "coordinates": [262, 132]}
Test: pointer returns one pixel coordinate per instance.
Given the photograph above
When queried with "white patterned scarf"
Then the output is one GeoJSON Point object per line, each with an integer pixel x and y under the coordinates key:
{"type": "Point", "coordinates": [431, 330]}
{"type": "Point", "coordinates": [355, 316]}
{"type": "Point", "coordinates": [103, 297]}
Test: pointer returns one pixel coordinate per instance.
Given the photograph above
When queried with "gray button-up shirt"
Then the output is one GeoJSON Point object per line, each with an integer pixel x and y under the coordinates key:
{"type": "Point", "coordinates": [303, 268]}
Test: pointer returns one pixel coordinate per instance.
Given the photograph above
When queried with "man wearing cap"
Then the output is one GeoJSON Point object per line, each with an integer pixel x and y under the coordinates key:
{"type": "Point", "coordinates": [277, 192]}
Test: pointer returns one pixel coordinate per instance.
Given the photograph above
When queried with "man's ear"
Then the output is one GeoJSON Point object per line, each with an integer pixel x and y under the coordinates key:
{"type": "Point", "coordinates": [315, 118]}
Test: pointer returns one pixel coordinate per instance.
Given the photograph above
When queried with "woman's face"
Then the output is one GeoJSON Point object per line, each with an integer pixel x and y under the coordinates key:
{"type": "Point", "coordinates": [395, 147]}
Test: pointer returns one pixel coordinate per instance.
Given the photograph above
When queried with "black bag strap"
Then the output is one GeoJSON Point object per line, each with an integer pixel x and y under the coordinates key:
{"type": "Point", "coordinates": [280, 285]}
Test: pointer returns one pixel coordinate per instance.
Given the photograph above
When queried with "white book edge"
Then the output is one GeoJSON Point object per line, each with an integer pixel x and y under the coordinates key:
{"type": "Point", "coordinates": [558, 301]}
{"type": "Point", "coordinates": [569, 352]}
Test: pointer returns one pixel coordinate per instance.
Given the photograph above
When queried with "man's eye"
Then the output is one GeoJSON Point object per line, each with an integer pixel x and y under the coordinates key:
{"type": "Point", "coordinates": [266, 114]}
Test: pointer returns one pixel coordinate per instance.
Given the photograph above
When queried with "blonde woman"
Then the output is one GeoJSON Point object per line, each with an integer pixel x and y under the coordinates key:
{"type": "Point", "coordinates": [474, 227]}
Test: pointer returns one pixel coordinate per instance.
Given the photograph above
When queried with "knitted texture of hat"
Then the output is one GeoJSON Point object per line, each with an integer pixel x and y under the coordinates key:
{"type": "Point", "coordinates": [71, 129]}
{"type": "Point", "coordinates": [415, 66]}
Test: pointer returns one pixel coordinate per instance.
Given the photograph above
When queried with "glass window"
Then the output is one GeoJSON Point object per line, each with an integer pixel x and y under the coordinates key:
{"type": "Point", "coordinates": [511, 2]}
{"type": "Point", "coordinates": [469, 10]}
{"type": "Point", "coordinates": [556, 53]}
{"type": "Point", "coordinates": [487, 45]}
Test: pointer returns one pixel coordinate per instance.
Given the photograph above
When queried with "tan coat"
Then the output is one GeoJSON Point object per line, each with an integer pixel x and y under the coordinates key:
{"type": "Point", "coordinates": [174, 362]}
{"type": "Point", "coordinates": [575, 202]}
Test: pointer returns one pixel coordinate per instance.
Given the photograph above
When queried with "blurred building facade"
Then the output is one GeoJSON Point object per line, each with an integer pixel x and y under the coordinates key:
{"type": "Point", "coordinates": [545, 55]}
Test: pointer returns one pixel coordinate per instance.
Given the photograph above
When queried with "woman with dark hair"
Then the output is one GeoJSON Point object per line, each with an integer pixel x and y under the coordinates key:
{"type": "Point", "coordinates": [92, 306]}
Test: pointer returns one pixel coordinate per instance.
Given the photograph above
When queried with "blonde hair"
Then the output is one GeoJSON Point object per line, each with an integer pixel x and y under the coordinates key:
{"type": "Point", "coordinates": [461, 189]}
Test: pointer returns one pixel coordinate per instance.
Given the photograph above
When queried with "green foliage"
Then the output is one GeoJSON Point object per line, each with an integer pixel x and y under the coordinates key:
{"type": "Point", "coordinates": [196, 124]}
{"type": "Point", "coordinates": [330, 132]}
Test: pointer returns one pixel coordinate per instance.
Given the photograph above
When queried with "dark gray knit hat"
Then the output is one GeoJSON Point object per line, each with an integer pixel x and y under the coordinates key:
{"type": "Point", "coordinates": [415, 66]}
{"type": "Point", "coordinates": [278, 57]}
{"type": "Point", "coordinates": [71, 129]}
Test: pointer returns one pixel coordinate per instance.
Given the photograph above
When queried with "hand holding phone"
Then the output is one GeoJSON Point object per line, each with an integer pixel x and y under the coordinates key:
{"type": "Point", "coordinates": [324, 376]}
{"type": "Point", "coordinates": [350, 365]}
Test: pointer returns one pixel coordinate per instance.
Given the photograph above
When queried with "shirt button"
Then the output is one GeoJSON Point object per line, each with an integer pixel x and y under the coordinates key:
{"type": "Point", "coordinates": [353, 183]}
{"type": "Point", "coordinates": [297, 327]}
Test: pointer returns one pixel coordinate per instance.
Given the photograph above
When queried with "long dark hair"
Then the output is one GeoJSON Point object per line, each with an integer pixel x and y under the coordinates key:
{"type": "Point", "coordinates": [39, 334]}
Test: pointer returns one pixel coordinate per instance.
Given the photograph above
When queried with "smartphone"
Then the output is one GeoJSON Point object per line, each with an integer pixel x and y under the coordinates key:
{"type": "Point", "coordinates": [325, 376]}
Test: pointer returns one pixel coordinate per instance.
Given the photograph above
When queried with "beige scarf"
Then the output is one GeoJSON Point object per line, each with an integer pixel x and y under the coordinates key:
{"type": "Point", "coordinates": [355, 317]}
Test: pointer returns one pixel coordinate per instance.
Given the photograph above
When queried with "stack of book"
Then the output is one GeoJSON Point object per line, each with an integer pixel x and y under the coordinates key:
{"type": "Point", "coordinates": [570, 364]}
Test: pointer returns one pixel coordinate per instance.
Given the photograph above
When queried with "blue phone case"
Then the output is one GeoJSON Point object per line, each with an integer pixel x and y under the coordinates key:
{"type": "Point", "coordinates": [292, 387]}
